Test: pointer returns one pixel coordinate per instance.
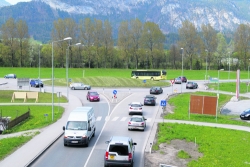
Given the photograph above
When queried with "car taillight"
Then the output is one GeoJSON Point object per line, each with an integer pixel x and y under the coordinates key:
{"type": "Point", "coordinates": [140, 108]}
{"type": "Point", "coordinates": [131, 108]}
{"type": "Point", "coordinates": [129, 123]}
{"type": "Point", "coordinates": [65, 137]}
{"type": "Point", "coordinates": [106, 155]}
{"type": "Point", "coordinates": [142, 123]}
{"type": "Point", "coordinates": [130, 156]}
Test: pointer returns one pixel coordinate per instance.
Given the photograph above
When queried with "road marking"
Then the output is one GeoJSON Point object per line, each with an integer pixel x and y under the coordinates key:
{"type": "Point", "coordinates": [115, 118]}
{"type": "Point", "coordinates": [107, 118]}
{"type": "Point", "coordinates": [124, 119]}
{"type": "Point", "coordinates": [98, 118]}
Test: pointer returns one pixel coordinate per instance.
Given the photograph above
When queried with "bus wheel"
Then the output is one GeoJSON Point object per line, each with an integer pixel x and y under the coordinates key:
{"type": "Point", "coordinates": [152, 78]}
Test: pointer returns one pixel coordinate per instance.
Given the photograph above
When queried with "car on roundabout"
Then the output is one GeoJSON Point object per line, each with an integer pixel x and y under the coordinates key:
{"type": "Point", "coordinates": [156, 90]}
{"type": "Point", "coordinates": [79, 86]}
{"type": "Point", "coordinates": [137, 122]}
{"type": "Point", "coordinates": [150, 100]}
{"type": "Point", "coordinates": [135, 108]}
{"type": "Point", "coordinates": [245, 115]}
{"type": "Point", "coordinates": [191, 85]}
{"type": "Point", "coordinates": [92, 95]}
{"type": "Point", "coordinates": [37, 83]}
{"type": "Point", "coordinates": [183, 79]}
{"type": "Point", "coordinates": [177, 80]}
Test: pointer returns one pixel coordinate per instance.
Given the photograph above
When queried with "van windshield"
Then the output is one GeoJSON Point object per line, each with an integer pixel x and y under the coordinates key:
{"type": "Point", "coordinates": [76, 125]}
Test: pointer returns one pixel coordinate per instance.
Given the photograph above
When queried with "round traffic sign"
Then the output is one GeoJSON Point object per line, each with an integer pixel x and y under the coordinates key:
{"type": "Point", "coordinates": [114, 92]}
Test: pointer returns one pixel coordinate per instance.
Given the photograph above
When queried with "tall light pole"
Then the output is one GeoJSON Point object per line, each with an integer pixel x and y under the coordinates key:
{"type": "Point", "coordinates": [229, 66]}
{"type": "Point", "coordinates": [39, 68]}
{"type": "Point", "coordinates": [206, 65]}
{"type": "Point", "coordinates": [67, 68]}
{"type": "Point", "coordinates": [181, 66]}
{"type": "Point", "coordinates": [52, 76]}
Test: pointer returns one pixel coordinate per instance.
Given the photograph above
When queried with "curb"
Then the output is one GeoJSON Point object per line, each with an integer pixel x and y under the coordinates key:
{"type": "Point", "coordinates": [4, 83]}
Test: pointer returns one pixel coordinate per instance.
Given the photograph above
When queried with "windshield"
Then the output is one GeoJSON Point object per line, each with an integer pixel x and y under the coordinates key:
{"type": "Point", "coordinates": [76, 125]}
{"type": "Point", "coordinates": [93, 93]}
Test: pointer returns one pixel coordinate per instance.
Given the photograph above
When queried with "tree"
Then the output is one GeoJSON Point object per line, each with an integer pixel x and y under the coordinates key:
{"type": "Point", "coordinates": [152, 39]}
{"type": "Point", "coordinates": [209, 37]}
{"type": "Point", "coordinates": [221, 49]}
{"type": "Point", "coordinates": [189, 40]}
{"type": "Point", "coordinates": [242, 40]}
{"type": "Point", "coordinates": [9, 33]}
{"type": "Point", "coordinates": [108, 43]}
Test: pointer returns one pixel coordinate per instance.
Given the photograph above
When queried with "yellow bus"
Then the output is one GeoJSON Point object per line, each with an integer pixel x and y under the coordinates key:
{"type": "Point", "coordinates": [149, 74]}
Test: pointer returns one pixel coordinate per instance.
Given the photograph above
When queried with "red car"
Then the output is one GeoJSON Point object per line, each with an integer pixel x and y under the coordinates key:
{"type": "Point", "coordinates": [93, 96]}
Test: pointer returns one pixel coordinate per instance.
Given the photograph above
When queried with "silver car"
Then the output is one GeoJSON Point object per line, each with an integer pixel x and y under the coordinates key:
{"type": "Point", "coordinates": [137, 122]}
{"type": "Point", "coordinates": [135, 108]}
{"type": "Point", "coordinates": [75, 86]}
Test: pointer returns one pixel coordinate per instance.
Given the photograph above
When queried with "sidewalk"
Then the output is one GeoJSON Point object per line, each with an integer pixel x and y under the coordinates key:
{"type": "Point", "coordinates": [42, 141]}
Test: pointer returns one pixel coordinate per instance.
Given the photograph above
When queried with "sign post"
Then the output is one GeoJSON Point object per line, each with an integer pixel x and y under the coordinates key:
{"type": "Point", "coordinates": [172, 82]}
{"type": "Point", "coordinates": [144, 81]}
{"type": "Point", "coordinates": [114, 95]}
{"type": "Point", "coordinates": [163, 104]}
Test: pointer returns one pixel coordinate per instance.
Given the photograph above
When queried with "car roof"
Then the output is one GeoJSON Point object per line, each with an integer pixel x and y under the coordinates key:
{"type": "Point", "coordinates": [119, 139]}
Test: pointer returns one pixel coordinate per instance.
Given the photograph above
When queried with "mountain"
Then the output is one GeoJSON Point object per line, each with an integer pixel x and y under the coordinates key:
{"type": "Point", "coordinates": [223, 15]}
{"type": "Point", "coordinates": [4, 3]}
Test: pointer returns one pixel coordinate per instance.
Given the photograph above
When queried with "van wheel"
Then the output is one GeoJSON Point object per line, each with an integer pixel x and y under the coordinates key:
{"type": "Point", "coordinates": [93, 134]}
{"type": "Point", "coordinates": [87, 144]}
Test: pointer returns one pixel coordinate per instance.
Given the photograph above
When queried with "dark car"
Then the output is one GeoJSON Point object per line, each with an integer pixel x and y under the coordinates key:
{"type": "Point", "coordinates": [156, 90]}
{"type": "Point", "coordinates": [93, 96]}
{"type": "Point", "coordinates": [150, 100]}
{"type": "Point", "coordinates": [183, 79]}
{"type": "Point", "coordinates": [36, 83]}
{"type": "Point", "coordinates": [191, 85]}
{"type": "Point", "coordinates": [245, 115]}
{"type": "Point", "coordinates": [8, 76]}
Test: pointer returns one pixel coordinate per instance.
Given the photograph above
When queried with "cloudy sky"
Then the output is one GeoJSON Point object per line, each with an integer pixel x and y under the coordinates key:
{"type": "Point", "coordinates": [13, 2]}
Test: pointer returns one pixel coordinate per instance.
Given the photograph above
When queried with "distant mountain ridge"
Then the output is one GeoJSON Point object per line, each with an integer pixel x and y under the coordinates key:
{"type": "Point", "coordinates": [4, 3]}
{"type": "Point", "coordinates": [223, 15]}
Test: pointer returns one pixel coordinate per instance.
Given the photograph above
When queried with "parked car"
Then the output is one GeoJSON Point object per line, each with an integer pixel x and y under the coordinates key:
{"type": "Point", "coordinates": [36, 83]}
{"type": "Point", "coordinates": [177, 80]}
{"type": "Point", "coordinates": [135, 108]}
{"type": "Point", "coordinates": [245, 115]}
{"type": "Point", "coordinates": [137, 122]}
{"type": "Point", "coordinates": [183, 79]}
{"type": "Point", "coordinates": [150, 100]}
{"type": "Point", "coordinates": [119, 152]}
{"type": "Point", "coordinates": [79, 85]}
{"type": "Point", "coordinates": [156, 90]}
{"type": "Point", "coordinates": [191, 85]}
{"type": "Point", "coordinates": [8, 76]}
{"type": "Point", "coordinates": [93, 96]}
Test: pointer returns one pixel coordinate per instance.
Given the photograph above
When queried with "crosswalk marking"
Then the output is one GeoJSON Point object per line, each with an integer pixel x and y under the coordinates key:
{"type": "Point", "coordinates": [115, 118]}
{"type": "Point", "coordinates": [107, 118]}
{"type": "Point", "coordinates": [124, 119]}
{"type": "Point", "coordinates": [98, 118]}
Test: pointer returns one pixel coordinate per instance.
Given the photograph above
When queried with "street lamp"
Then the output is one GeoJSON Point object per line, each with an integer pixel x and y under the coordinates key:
{"type": "Point", "coordinates": [206, 65]}
{"type": "Point", "coordinates": [181, 66]}
{"type": "Point", "coordinates": [67, 68]}
{"type": "Point", "coordinates": [52, 62]}
{"type": "Point", "coordinates": [39, 67]}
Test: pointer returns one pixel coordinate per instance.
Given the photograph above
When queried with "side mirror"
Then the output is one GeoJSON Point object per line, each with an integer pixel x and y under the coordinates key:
{"type": "Point", "coordinates": [145, 119]}
{"type": "Point", "coordinates": [134, 144]}
{"type": "Point", "coordinates": [63, 127]}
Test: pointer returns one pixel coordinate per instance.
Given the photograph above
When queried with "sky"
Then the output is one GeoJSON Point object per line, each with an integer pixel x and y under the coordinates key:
{"type": "Point", "coordinates": [13, 2]}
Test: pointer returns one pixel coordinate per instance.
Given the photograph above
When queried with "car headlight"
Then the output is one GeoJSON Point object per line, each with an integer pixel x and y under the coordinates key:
{"type": "Point", "coordinates": [247, 115]}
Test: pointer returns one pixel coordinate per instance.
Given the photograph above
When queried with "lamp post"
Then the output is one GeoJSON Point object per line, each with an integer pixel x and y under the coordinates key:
{"type": "Point", "coordinates": [39, 68]}
{"type": "Point", "coordinates": [229, 65]}
{"type": "Point", "coordinates": [206, 65]}
{"type": "Point", "coordinates": [181, 66]}
{"type": "Point", "coordinates": [52, 76]}
{"type": "Point", "coordinates": [67, 68]}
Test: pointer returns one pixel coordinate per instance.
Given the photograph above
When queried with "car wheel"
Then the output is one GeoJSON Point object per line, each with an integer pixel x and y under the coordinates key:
{"type": "Point", "coordinates": [93, 134]}
{"type": "Point", "coordinates": [87, 144]}
{"type": "Point", "coordinates": [65, 144]}
{"type": "Point", "coordinates": [85, 88]}
{"type": "Point", "coordinates": [128, 129]}
{"type": "Point", "coordinates": [132, 164]}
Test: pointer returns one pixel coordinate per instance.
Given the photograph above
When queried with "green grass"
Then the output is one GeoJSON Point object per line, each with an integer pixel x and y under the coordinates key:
{"type": "Point", "coordinates": [37, 119]}
{"type": "Point", "coordinates": [6, 96]}
{"type": "Point", "coordinates": [182, 154]}
{"type": "Point", "coordinates": [220, 147]}
{"type": "Point", "coordinates": [230, 87]}
{"type": "Point", "coordinates": [9, 145]}
{"type": "Point", "coordinates": [181, 107]}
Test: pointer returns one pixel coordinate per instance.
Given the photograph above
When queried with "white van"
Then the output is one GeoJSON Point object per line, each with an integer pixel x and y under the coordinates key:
{"type": "Point", "coordinates": [80, 127]}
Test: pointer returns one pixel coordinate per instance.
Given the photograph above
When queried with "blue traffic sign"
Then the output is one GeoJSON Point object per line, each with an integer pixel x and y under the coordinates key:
{"type": "Point", "coordinates": [144, 81]}
{"type": "Point", "coordinates": [114, 92]}
{"type": "Point", "coordinates": [163, 102]}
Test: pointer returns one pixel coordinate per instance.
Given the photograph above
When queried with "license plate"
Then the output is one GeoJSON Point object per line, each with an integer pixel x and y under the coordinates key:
{"type": "Point", "coordinates": [112, 157]}
{"type": "Point", "coordinates": [74, 141]}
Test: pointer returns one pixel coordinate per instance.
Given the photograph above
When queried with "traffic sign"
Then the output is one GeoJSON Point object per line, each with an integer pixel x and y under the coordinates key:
{"type": "Point", "coordinates": [114, 92]}
{"type": "Point", "coordinates": [172, 81]}
{"type": "Point", "coordinates": [163, 103]}
{"type": "Point", "coordinates": [144, 81]}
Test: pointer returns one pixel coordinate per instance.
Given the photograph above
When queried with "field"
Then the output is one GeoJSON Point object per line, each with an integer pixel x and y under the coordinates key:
{"type": "Point", "coordinates": [220, 147]}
